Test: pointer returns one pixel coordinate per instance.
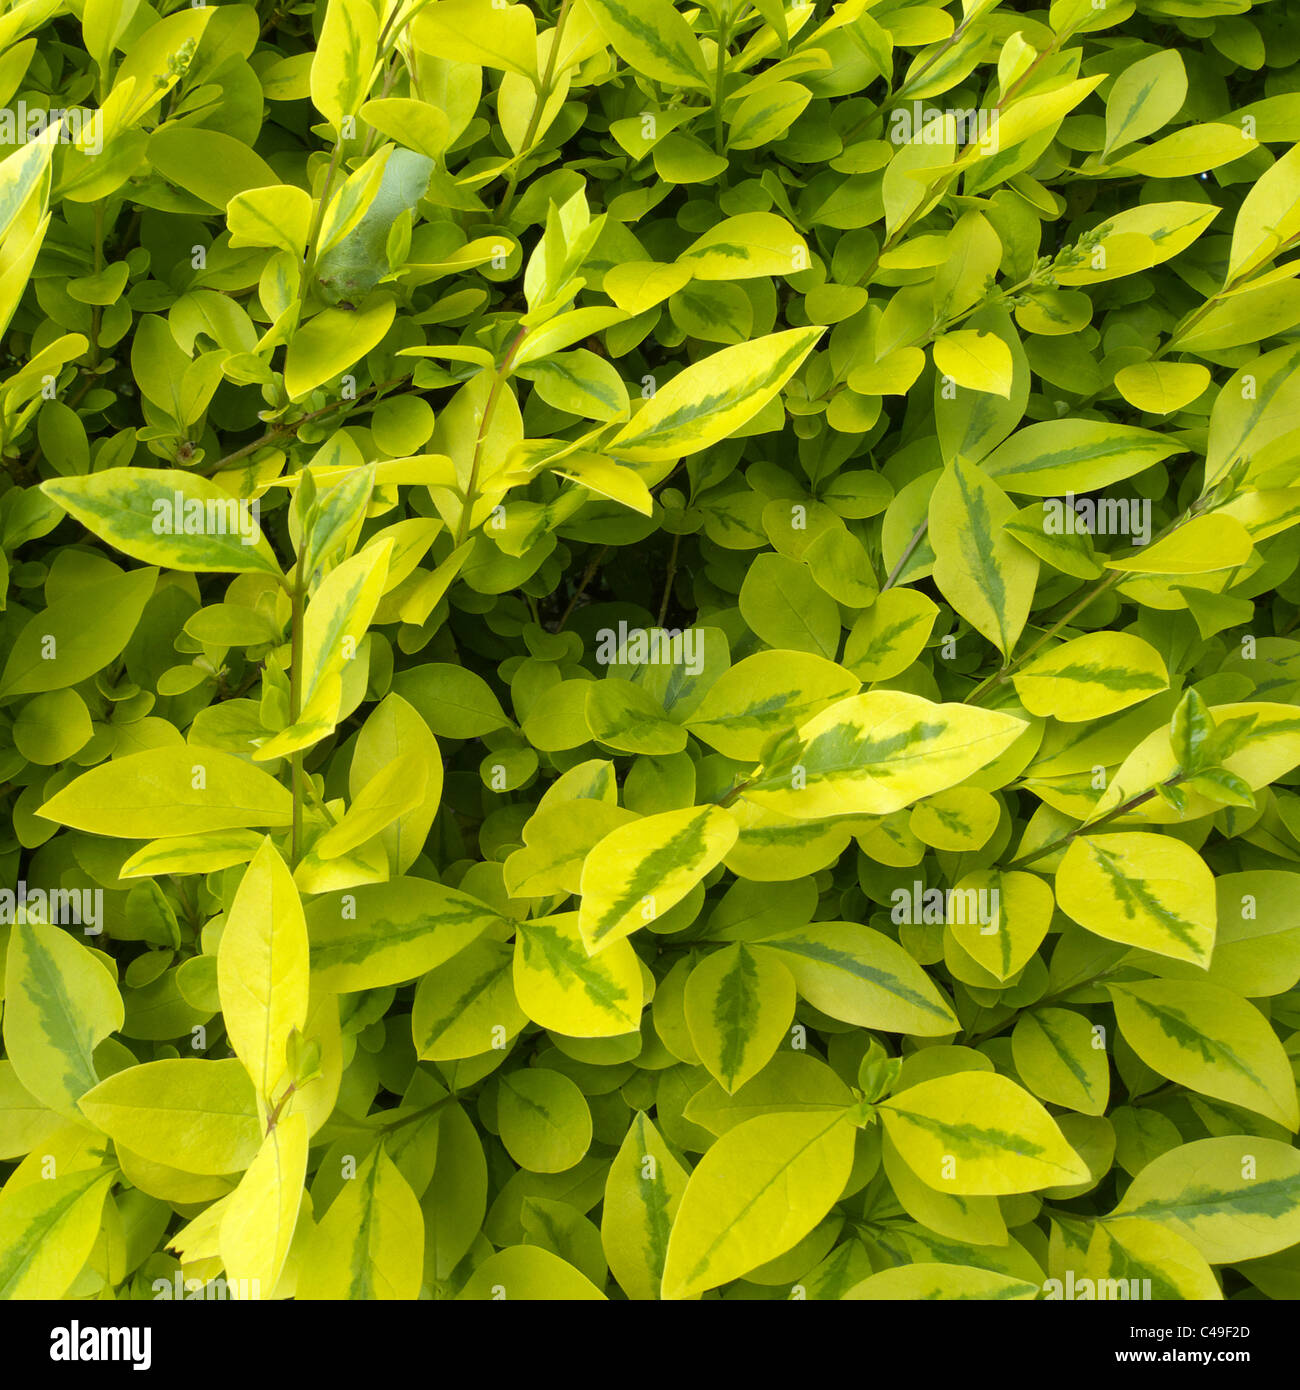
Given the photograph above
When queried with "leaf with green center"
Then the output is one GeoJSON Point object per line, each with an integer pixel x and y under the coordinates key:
{"type": "Point", "coordinates": [1206, 1038]}
{"type": "Point", "coordinates": [370, 1243]}
{"type": "Point", "coordinates": [712, 399]}
{"type": "Point", "coordinates": [639, 871]}
{"type": "Point", "coordinates": [1148, 890]}
{"type": "Point", "coordinates": [561, 987]}
{"type": "Point", "coordinates": [165, 516]}
{"type": "Point", "coordinates": [876, 753]}
{"type": "Point", "coordinates": [1236, 1198]}
{"type": "Point", "coordinates": [739, 1003]}
{"type": "Point", "coordinates": [60, 1003]}
{"type": "Point", "coordinates": [979, 1134]}
{"type": "Point", "coordinates": [1092, 676]}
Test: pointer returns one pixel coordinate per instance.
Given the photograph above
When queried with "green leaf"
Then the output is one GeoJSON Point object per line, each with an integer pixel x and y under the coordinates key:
{"type": "Point", "coordinates": [259, 1217]}
{"type": "Point", "coordinates": [927, 1280]}
{"type": "Point", "coordinates": [527, 1273]}
{"type": "Point", "coordinates": [792, 1082]}
{"type": "Point", "coordinates": [557, 840]}
{"type": "Point", "coordinates": [49, 1231]}
{"type": "Point", "coordinates": [390, 794]}
{"type": "Point", "coordinates": [975, 360]}
{"type": "Point", "coordinates": [191, 1114]}
{"type": "Point", "coordinates": [262, 969]}
{"type": "Point", "coordinates": [739, 1003]}
{"type": "Point", "coordinates": [211, 164]}
{"type": "Point", "coordinates": [1161, 388]}
{"type": "Point", "coordinates": [579, 383]}
{"type": "Point", "coordinates": [332, 341]}
{"type": "Point", "coordinates": [476, 31]}
{"type": "Point", "coordinates": [386, 933]}
{"type": "Point", "coordinates": [1201, 546]}
{"type": "Point", "coordinates": [1057, 1056]}
{"type": "Point", "coordinates": [876, 753]}
{"type": "Point", "coordinates": [76, 636]}
{"type": "Point", "coordinates": [987, 577]}
{"type": "Point", "coordinates": [859, 975]}
{"type": "Point", "coordinates": [1092, 676]}
{"type": "Point", "coordinates": [336, 621]}
{"type": "Point", "coordinates": [978, 1133]}
{"type": "Point", "coordinates": [764, 694]}
{"type": "Point", "coordinates": [642, 1195]}
{"type": "Point", "coordinates": [544, 1118]}
{"type": "Point", "coordinates": [712, 399]}
{"type": "Point", "coordinates": [1205, 1037]}
{"type": "Point", "coordinates": [342, 63]}
{"type": "Point", "coordinates": [1269, 217]}
{"type": "Point", "coordinates": [22, 172]}
{"type": "Point", "coordinates": [785, 607]}
{"type": "Point", "coordinates": [627, 717]}
{"type": "Point", "coordinates": [739, 248]}
{"type": "Point", "coordinates": [278, 215]}
{"type": "Point", "coordinates": [164, 516]}
{"type": "Point", "coordinates": [466, 1006]}
{"type": "Point", "coordinates": [1059, 456]}
{"type": "Point", "coordinates": [1020, 916]}
{"type": "Point", "coordinates": [890, 635]}
{"type": "Point", "coordinates": [1151, 1258]}
{"type": "Point", "coordinates": [562, 988]}
{"type": "Point", "coordinates": [60, 1002]}
{"type": "Point", "coordinates": [639, 871]}
{"type": "Point", "coordinates": [452, 701]}
{"type": "Point", "coordinates": [370, 1243]}
{"type": "Point", "coordinates": [170, 791]}
{"type": "Point", "coordinates": [1147, 890]}
{"type": "Point", "coordinates": [1233, 1199]}
{"type": "Point", "coordinates": [1144, 97]}
{"type": "Point", "coordinates": [759, 1190]}
{"type": "Point", "coordinates": [652, 37]}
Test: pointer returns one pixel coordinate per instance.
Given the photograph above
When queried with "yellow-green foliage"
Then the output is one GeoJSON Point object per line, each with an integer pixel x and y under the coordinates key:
{"type": "Point", "coordinates": [649, 649]}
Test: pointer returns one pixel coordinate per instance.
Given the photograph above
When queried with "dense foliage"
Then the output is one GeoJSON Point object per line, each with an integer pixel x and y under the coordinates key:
{"type": "Point", "coordinates": [649, 649]}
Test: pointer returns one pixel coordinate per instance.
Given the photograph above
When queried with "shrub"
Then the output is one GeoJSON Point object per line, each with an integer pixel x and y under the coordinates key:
{"type": "Point", "coordinates": [648, 649]}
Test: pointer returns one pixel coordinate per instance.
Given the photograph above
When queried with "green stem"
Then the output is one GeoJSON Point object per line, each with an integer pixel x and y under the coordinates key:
{"type": "Point", "coordinates": [498, 380]}
{"type": "Point", "coordinates": [539, 109]}
{"type": "Point", "coordinates": [310, 788]}
{"type": "Point", "coordinates": [96, 312]}
{"type": "Point", "coordinates": [588, 575]}
{"type": "Point", "coordinates": [1123, 809]}
{"type": "Point", "coordinates": [906, 555]}
{"type": "Point", "coordinates": [423, 1112]}
{"type": "Point", "coordinates": [274, 433]}
{"type": "Point", "coordinates": [668, 580]}
{"type": "Point", "coordinates": [1099, 588]}
{"type": "Point", "coordinates": [728, 797]}
{"type": "Point", "coordinates": [1002, 676]}
{"type": "Point", "coordinates": [273, 1118]}
{"type": "Point", "coordinates": [313, 236]}
{"type": "Point", "coordinates": [719, 83]}
{"type": "Point", "coordinates": [295, 705]}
